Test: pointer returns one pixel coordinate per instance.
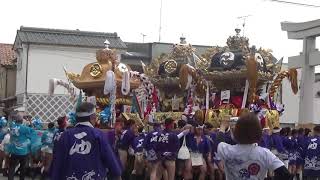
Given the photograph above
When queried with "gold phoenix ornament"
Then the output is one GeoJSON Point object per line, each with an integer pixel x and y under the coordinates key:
{"type": "Point", "coordinates": [170, 66]}
{"type": "Point", "coordinates": [96, 70]}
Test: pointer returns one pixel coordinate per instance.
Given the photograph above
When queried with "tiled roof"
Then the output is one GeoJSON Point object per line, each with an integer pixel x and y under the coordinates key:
{"type": "Point", "coordinates": [7, 56]}
{"type": "Point", "coordinates": [68, 37]}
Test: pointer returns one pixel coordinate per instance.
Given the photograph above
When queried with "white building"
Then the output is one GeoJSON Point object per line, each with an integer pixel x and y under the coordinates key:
{"type": "Point", "coordinates": [291, 101]}
{"type": "Point", "coordinates": [42, 54]}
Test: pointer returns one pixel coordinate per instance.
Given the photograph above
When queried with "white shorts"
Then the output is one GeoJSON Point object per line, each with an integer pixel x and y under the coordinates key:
{"type": "Point", "coordinates": [46, 149]}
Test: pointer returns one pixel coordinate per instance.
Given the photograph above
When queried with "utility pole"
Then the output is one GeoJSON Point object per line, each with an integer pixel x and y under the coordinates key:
{"type": "Point", "coordinates": [160, 23]}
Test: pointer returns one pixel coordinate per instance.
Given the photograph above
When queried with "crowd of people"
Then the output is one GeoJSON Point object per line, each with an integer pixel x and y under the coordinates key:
{"type": "Point", "coordinates": [173, 149]}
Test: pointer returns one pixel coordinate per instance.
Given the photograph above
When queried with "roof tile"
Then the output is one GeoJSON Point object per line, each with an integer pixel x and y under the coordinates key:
{"type": "Point", "coordinates": [69, 37]}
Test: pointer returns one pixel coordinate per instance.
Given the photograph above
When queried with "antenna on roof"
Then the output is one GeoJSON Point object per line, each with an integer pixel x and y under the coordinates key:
{"type": "Point", "coordinates": [143, 36]}
{"type": "Point", "coordinates": [244, 18]}
{"type": "Point", "coordinates": [295, 3]}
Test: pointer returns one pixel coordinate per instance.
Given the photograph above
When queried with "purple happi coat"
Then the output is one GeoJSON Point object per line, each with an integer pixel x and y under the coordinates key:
{"type": "Point", "coordinates": [138, 143]}
{"type": "Point", "coordinates": [83, 152]}
{"type": "Point", "coordinates": [312, 157]}
{"type": "Point", "coordinates": [214, 145]}
{"type": "Point", "coordinates": [278, 145]}
{"type": "Point", "coordinates": [168, 145]}
{"type": "Point", "coordinates": [292, 150]}
{"type": "Point", "coordinates": [151, 144]}
{"type": "Point", "coordinates": [126, 139]}
{"type": "Point", "coordinates": [277, 141]}
{"type": "Point", "coordinates": [301, 143]}
{"type": "Point", "coordinates": [111, 136]}
{"type": "Point", "coordinates": [203, 147]}
{"type": "Point", "coordinates": [265, 141]}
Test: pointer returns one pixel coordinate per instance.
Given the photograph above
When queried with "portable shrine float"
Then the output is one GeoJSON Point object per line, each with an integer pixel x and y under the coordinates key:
{"type": "Point", "coordinates": [112, 86]}
{"type": "Point", "coordinates": [225, 81]}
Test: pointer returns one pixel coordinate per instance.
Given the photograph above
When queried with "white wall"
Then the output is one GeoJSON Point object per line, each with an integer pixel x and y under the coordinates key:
{"type": "Point", "coordinates": [291, 101]}
{"type": "Point", "coordinates": [46, 62]}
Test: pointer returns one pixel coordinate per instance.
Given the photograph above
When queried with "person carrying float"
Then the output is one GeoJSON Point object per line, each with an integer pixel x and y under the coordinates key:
{"type": "Point", "coordinates": [3, 133]}
{"type": "Point", "coordinates": [151, 147]}
{"type": "Point", "coordinates": [200, 149]}
{"type": "Point", "coordinates": [83, 152]}
{"type": "Point", "coordinates": [47, 147]}
{"type": "Point", "coordinates": [168, 147]}
{"type": "Point", "coordinates": [62, 124]}
{"type": "Point", "coordinates": [22, 140]}
{"type": "Point", "coordinates": [139, 163]}
{"type": "Point", "coordinates": [125, 150]}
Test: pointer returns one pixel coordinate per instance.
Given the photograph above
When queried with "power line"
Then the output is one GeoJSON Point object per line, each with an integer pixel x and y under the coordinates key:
{"type": "Point", "coordinates": [295, 3]}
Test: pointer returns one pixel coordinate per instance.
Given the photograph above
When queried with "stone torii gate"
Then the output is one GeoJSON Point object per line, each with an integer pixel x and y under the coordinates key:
{"type": "Point", "coordinates": [307, 60]}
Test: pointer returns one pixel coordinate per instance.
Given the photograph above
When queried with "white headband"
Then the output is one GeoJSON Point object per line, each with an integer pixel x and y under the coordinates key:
{"type": "Point", "coordinates": [86, 114]}
{"type": "Point", "coordinates": [200, 126]}
{"type": "Point", "coordinates": [276, 130]}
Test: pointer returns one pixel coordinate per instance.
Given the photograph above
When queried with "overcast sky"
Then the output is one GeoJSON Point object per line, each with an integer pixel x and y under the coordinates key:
{"type": "Point", "coordinates": [206, 22]}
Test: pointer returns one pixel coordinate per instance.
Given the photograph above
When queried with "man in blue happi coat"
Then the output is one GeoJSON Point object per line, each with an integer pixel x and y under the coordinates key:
{"type": "Point", "coordinates": [83, 152]}
{"type": "Point", "coordinates": [21, 138]}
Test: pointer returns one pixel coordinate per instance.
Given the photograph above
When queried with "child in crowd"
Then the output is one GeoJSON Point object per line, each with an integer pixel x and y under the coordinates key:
{"type": "Point", "coordinates": [247, 160]}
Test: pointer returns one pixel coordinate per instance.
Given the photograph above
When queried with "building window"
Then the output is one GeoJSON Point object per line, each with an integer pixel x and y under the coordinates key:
{"type": "Point", "coordinates": [318, 94]}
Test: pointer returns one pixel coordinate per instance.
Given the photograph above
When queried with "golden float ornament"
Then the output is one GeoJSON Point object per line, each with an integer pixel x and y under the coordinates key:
{"type": "Point", "coordinates": [291, 74]}
{"type": "Point", "coordinates": [252, 76]}
{"type": "Point", "coordinates": [119, 101]}
{"type": "Point", "coordinates": [96, 70]}
{"type": "Point", "coordinates": [170, 66]}
{"type": "Point", "coordinates": [272, 117]}
{"type": "Point", "coordinates": [161, 116]}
